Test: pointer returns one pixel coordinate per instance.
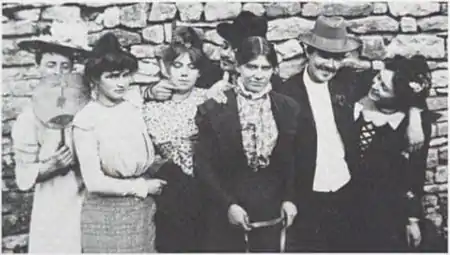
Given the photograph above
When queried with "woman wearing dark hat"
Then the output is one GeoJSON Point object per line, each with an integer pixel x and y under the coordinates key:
{"type": "Point", "coordinates": [114, 151]}
{"type": "Point", "coordinates": [221, 76]}
{"type": "Point", "coordinates": [42, 161]}
{"type": "Point", "coordinates": [389, 181]}
{"type": "Point", "coordinates": [244, 159]}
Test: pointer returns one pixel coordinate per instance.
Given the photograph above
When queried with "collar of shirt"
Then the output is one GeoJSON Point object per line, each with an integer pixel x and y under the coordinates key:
{"type": "Point", "coordinates": [310, 84]}
{"type": "Point", "coordinates": [378, 118]}
{"type": "Point", "coordinates": [251, 95]}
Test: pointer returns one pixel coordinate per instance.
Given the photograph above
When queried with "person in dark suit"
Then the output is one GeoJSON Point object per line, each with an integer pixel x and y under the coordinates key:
{"type": "Point", "coordinates": [222, 74]}
{"type": "Point", "coordinates": [326, 157]}
{"type": "Point", "coordinates": [244, 158]}
{"type": "Point", "coordinates": [390, 179]}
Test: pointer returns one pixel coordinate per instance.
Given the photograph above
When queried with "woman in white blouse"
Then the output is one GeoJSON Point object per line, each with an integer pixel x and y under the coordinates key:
{"type": "Point", "coordinates": [115, 152]}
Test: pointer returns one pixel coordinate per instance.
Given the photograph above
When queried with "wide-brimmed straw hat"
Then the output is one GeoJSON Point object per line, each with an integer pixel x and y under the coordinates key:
{"type": "Point", "coordinates": [330, 34]}
{"type": "Point", "coordinates": [69, 38]}
{"type": "Point", "coordinates": [58, 98]}
{"type": "Point", "coordinates": [246, 24]}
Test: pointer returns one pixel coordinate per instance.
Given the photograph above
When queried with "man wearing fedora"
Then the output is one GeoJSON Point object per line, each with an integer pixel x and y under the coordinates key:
{"type": "Point", "coordinates": [217, 77]}
{"type": "Point", "coordinates": [42, 161]}
{"type": "Point", "coordinates": [326, 151]}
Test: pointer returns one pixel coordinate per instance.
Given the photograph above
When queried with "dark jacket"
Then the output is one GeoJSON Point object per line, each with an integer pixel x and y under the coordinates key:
{"type": "Point", "coordinates": [221, 167]}
{"type": "Point", "coordinates": [343, 105]}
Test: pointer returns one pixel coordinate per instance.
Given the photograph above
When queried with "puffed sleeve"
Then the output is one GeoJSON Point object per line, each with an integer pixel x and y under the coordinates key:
{"type": "Point", "coordinates": [26, 149]}
{"type": "Point", "coordinates": [86, 146]}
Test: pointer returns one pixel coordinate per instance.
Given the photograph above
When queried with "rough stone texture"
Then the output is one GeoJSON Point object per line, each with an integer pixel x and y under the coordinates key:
{"type": "Point", "coordinates": [143, 51]}
{"type": "Point", "coordinates": [291, 67]}
{"type": "Point", "coordinates": [12, 55]}
{"type": "Point", "coordinates": [15, 28]}
{"type": "Point", "coordinates": [289, 49]}
{"type": "Point", "coordinates": [154, 34]}
{"type": "Point", "coordinates": [433, 23]}
{"type": "Point", "coordinates": [168, 32]}
{"type": "Point", "coordinates": [12, 106]}
{"type": "Point", "coordinates": [380, 8]}
{"type": "Point", "coordinates": [256, 8]}
{"type": "Point", "coordinates": [376, 28]}
{"type": "Point", "coordinates": [440, 78]}
{"type": "Point", "coordinates": [373, 47]}
{"type": "Point", "coordinates": [134, 16]}
{"type": "Point", "coordinates": [312, 9]}
{"type": "Point", "coordinates": [64, 13]}
{"type": "Point", "coordinates": [437, 103]}
{"type": "Point", "coordinates": [162, 11]}
{"type": "Point", "coordinates": [288, 28]}
{"type": "Point", "coordinates": [30, 14]}
{"type": "Point", "coordinates": [373, 24]}
{"type": "Point", "coordinates": [111, 17]}
{"type": "Point", "coordinates": [126, 38]}
{"type": "Point", "coordinates": [416, 9]}
{"type": "Point", "coordinates": [221, 10]}
{"type": "Point", "coordinates": [408, 24]}
{"type": "Point", "coordinates": [276, 9]}
{"type": "Point", "coordinates": [407, 45]}
{"type": "Point", "coordinates": [190, 11]}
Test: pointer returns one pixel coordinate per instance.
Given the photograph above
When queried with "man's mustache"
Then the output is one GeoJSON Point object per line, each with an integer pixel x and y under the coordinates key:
{"type": "Point", "coordinates": [327, 68]}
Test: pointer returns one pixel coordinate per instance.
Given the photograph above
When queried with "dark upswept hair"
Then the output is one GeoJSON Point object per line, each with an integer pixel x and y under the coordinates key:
{"type": "Point", "coordinates": [108, 56]}
{"type": "Point", "coordinates": [407, 70]}
{"type": "Point", "coordinates": [185, 40]}
{"type": "Point", "coordinates": [255, 46]}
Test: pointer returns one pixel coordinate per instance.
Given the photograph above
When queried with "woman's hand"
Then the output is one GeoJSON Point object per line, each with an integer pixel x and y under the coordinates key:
{"type": "Point", "coordinates": [414, 132]}
{"type": "Point", "coordinates": [290, 210]}
{"type": "Point", "coordinates": [155, 186]}
{"type": "Point", "coordinates": [413, 235]}
{"type": "Point", "coordinates": [216, 91]}
{"type": "Point", "coordinates": [58, 162]}
{"type": "Point", "coordinates": [238, 216]}
{"type": "Point", "coordinates": [161, 91]}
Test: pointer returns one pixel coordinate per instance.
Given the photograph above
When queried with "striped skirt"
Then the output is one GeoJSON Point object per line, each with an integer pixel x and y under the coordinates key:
{"type": "Point", "coordinates": [111, 224]}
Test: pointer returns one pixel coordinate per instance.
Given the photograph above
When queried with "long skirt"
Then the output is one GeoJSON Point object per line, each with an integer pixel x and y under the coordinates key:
{"type": "Point", "coordinates": [111, 224]}
{"type": "Point", "coordinates": [178, 227]}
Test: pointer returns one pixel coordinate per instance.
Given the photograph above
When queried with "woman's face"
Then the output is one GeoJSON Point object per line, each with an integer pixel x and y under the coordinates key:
{"type": "Point", "coordinates": [256, 74]}
{"type": "Point", "coordinates": [53, 63]}
{"type": "Point", "coordinates": [382, 90]}
{"type": "Point", "coordinates": [114, 85]}
{"type": "Point", "coordinates": [183, 74]}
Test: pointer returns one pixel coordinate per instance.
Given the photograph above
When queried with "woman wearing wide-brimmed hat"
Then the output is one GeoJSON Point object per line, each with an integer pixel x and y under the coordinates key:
{"type": "Point", "coordinates": [44, 159]}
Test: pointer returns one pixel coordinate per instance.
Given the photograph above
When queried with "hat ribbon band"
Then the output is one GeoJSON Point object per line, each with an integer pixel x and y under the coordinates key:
{"type": "Point", "coordinates": [328, 42]}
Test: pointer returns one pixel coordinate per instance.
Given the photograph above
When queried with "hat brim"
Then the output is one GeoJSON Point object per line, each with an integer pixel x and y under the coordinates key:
{"type": "Point", "coordinates": [37, 45]}
{"type": "Point", "coordinates": [351, 44]}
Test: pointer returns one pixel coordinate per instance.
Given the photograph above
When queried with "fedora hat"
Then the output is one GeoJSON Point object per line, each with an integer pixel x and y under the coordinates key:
{"type": "Point", "coordinates": [330, 34]}
{"type": "Point", "coordinates": [58, 98]}
{"type": "Point", "coordinates": [70, 38]}
{"type": "Point", "coordinates": [246, 24]}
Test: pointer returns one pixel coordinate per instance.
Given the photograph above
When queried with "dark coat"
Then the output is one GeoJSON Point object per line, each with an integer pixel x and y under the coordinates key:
{"type": "Point", "coordinates": [343, 104]}
{"type": "Point", "coordinates": [221, 168]}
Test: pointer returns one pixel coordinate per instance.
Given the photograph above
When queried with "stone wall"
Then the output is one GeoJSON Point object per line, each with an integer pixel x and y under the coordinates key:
{"type": "Point", "coordinates": [386, 28]}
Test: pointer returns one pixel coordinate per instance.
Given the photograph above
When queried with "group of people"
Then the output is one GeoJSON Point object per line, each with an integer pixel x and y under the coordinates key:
{"type": "Point", "coordinates": [228, 157]}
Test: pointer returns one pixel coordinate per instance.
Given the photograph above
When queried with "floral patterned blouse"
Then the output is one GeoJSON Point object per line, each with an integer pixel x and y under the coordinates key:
{"type": "Point", "coordinates": [172, 127]}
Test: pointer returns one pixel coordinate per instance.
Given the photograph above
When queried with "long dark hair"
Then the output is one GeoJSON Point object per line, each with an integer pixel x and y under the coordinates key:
{"type": "Point", "coordinates": [108, 56]}
{"type": "Point", "coordinates": [406, 71]}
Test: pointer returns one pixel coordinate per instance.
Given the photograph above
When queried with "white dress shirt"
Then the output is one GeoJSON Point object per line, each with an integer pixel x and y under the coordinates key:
{"type": "Point", "coordinates": [331, 171]}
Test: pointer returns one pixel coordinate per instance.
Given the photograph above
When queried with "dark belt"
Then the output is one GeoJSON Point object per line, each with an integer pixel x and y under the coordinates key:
{"type": "Point", "coordinates": [265, 224]}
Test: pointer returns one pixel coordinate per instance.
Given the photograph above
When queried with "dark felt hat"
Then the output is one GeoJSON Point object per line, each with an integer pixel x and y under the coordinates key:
{"type": "Point", "coordinates": [246, 24]}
